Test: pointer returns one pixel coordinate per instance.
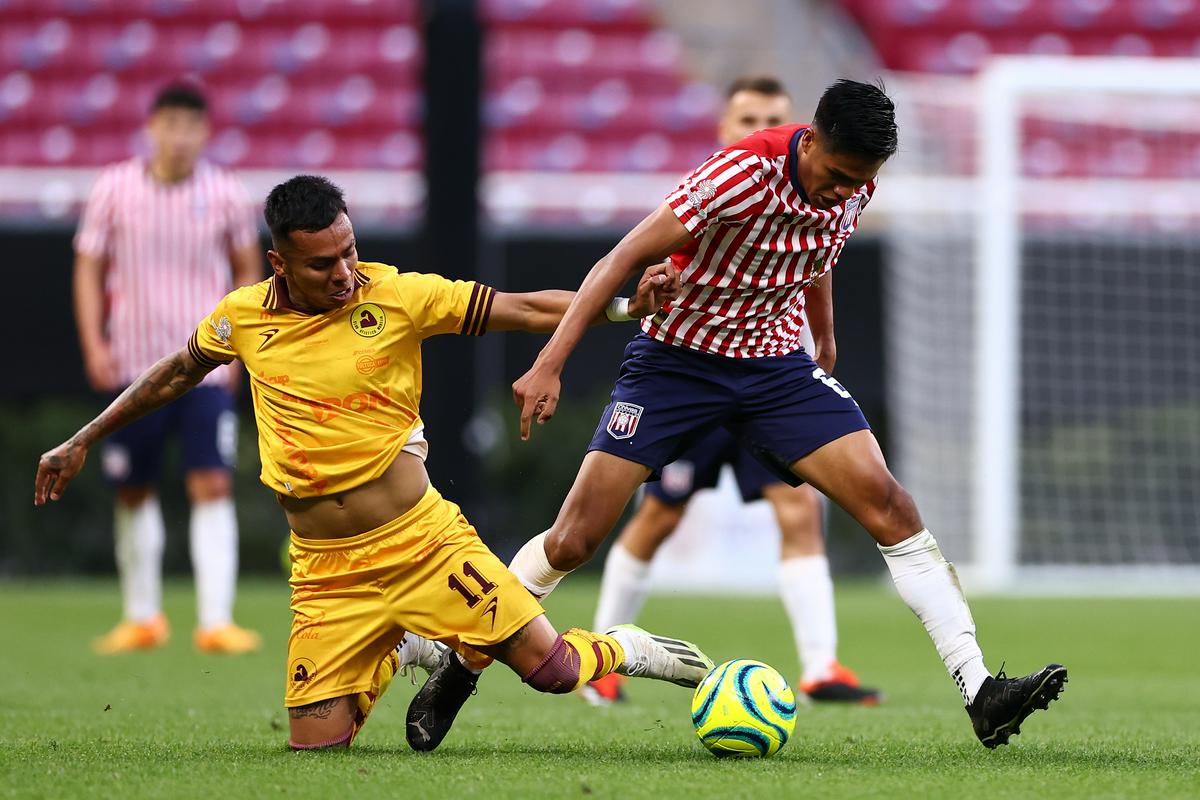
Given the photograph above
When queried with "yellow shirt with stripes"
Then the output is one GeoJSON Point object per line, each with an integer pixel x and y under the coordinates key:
{"type": "Point", "coordinates": [337, 394]}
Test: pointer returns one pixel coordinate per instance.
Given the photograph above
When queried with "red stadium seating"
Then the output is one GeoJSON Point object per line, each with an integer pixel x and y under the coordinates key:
{"type": "Point", "coordinates": [77, 76]}
{"type": "Point", "coordinates": [958, 36]}
{"type": "Point", "coordinates": [587, 86]}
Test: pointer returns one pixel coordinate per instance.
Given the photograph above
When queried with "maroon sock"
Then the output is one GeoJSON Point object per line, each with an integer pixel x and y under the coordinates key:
{"type": "Point", "coordinates": [559, 671]}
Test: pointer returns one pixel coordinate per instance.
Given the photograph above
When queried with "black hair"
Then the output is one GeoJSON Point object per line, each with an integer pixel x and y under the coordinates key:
{"type": "Point", "coordinates": [857, 119]}
{"type": "Point", "coordinates": [760, 84]}
{"type": "Point", "coordinates": [179, 95]}
{"type": "Point", "coordinates": [303, 203]}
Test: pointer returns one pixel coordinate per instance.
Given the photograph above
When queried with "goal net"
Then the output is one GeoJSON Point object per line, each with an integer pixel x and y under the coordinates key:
{"type": "Point", "coordinates": [1043, 300]}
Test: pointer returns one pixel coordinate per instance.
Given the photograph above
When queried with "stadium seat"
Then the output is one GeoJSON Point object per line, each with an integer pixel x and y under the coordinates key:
{"type": "Point", "coordinates": [77, 76]}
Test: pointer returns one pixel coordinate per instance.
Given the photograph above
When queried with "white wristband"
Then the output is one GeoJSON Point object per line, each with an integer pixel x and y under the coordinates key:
{"type": "Point", "coordinates": [618, 310]}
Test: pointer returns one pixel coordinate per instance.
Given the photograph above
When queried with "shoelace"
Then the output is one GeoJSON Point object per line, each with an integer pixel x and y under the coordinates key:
{"type": "Point", "coordinates": [408, 671]}
{"type": "Point", "coordinates": [1000, 676]}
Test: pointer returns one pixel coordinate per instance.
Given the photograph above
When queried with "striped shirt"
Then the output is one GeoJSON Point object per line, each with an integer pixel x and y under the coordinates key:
{"type": "Point", "coordinates": [166, 248]}
{"type": "Point", "coordinates": [757, 246]}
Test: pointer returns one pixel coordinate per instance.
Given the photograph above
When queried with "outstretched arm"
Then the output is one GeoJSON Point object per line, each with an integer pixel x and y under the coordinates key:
{"type": "Point", "coordinates": [654, 238]}
{"type": "Point", "coordinates": [541, 312]}
{"type": "Point", "coordinates": [157, 386]}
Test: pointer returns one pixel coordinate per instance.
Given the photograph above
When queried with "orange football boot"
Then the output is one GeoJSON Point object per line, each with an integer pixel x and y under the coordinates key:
{"type": "Point", "coordinates": [841, 686]}
{"type": "Point", "coordinates": [604, 691]}
{"type": "Point", "coordinates": [128, 636]}
{"type": "Point", "coordinates": [229, 639]}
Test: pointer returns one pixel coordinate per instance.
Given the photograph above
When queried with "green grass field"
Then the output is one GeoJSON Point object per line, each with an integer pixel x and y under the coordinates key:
{"type": "Point", "coordinates": [177, 724]}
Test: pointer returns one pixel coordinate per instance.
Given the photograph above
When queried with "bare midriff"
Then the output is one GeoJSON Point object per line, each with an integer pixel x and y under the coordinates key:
{"type": "Point", "coordinates": [362, 508]}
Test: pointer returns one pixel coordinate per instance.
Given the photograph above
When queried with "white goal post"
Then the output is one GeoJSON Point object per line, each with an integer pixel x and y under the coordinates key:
{"type": "Point", "coordinates": [1072, 455]}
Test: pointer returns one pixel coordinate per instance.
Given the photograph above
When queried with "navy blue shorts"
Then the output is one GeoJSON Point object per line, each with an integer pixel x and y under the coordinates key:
{"type": "Point", "coordinates": [203, 419]}
{"type": "Point", "coordinates": [668, 398]}
{"type": "Point", "coordinates": [700, 468]}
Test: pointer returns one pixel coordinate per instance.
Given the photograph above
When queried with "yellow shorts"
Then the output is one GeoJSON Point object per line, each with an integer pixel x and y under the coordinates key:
{"type": "Point", "coordinates": [426, 572]}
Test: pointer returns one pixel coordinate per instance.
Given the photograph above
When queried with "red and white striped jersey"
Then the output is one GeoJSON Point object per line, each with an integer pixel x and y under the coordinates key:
{"type": "Point", "coordinates": [167, 252]}
{"type": "Point", "coordinates": [758, 245]}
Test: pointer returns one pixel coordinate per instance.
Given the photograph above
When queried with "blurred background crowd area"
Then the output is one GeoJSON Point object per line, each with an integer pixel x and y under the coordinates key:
{"type": "Point", "coordinates": [514, 141]}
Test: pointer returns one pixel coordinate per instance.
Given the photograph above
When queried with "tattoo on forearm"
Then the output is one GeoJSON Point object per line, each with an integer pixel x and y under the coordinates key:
{"type": "Point", "coordinates": [318, 710]}
{"type": "Point", "coordinates": [157, 386]}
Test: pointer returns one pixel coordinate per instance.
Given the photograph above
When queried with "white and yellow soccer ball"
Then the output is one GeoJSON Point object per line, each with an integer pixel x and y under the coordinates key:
{"type": "Point", "coordinates": [744, 709]}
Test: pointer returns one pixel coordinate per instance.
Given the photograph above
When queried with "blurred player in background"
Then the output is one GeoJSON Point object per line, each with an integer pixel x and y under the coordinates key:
{"type": "Point", "coordinates": [382, 564]}
{"type": "Point", "coordinates": [752, 230]}
{"type": "Point", "coordinates": [752, 103]}
{"type": "Point", "coordinates": [160, 242]}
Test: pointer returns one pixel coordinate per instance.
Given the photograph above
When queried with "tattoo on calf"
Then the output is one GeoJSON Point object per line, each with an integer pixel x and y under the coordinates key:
{"type": "Point", "coordinates": [319, 710]}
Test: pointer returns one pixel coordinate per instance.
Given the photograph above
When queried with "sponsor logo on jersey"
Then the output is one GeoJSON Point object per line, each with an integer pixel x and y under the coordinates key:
{"type": "Point", "coordinates": [368, 364]}
{"type": "Point", "coordinates": [223, 329]}
{"type": "Point", "coordinates": [358, 402]}
{"type": "Point", "coordinates": [275, 380]}
{"type": "Point", "coordinates": [367, 320]}
{"type": "Point", "coordinates": [297, 457]}
{"type": "Point", "coordinates": [623, 422]}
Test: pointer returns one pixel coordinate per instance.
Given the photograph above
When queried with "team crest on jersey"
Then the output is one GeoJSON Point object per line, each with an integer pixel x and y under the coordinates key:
{"type": "Point", "coordinates": [850, 215]}
{"type": "Point", "coordinates": [223, 329]}
{"type": "Point", "coordinates": [704, 190]}
{"type": "Point", "coordinates": [367, 320]}
{"type": "Point", "coordinates": [624, 420]}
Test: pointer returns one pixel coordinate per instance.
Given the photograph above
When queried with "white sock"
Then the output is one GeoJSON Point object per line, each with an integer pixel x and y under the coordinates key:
{"type": "Point", "coordinates": [213, 538]}
{"type": "Point", "coordinates": [533, 569]}
{"type": "Point", "coordinates": [807, 592]}
{"type": "Point", "coordinates": [139, 538]}
{"type": "Point", "coordinates": [623, 588]}
{"type": "Point", "coordinates": [929, 584]}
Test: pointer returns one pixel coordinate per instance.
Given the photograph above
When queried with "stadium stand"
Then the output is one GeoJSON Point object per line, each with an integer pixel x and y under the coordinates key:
{"type": "Point", "coordinates": [940, 36]}
{"type": "Point", "coordinates": [585, 87]}
{"type": "Point", "coordinates": [76, 78]}
{"type": "Point", "coordinates": [956, 36]}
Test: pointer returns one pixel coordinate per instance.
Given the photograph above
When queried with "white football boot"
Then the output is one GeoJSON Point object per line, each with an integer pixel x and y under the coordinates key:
{"type": "Point", "coordinates": [651, 656]}
{"type": "Point", "coordinates": [417, 651]}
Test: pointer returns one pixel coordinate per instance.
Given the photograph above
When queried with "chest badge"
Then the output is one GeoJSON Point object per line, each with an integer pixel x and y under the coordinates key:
{"type": "Point", "coordinates": [850, 215]}
{"type": "Point", "coordinates": [368, 320]}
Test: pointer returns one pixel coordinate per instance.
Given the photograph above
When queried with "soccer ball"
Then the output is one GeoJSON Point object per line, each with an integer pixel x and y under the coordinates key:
{"type": "Point", "coordinates": [744, 709]}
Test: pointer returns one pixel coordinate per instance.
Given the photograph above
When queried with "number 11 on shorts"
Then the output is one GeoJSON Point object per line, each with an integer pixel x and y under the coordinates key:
{"type": "Point", "coordinates": [459, 585]}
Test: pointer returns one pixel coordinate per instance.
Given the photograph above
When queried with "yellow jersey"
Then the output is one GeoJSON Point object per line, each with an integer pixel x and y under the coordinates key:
{"type": "Point", "coordinates": [337, 394]}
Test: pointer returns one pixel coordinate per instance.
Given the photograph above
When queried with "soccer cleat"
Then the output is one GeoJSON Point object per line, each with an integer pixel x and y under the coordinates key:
{"type": "Point", "coordinates": [227, 639]}
{"type": "Point", "coordinates": [127, 637]}
{"type": "Point", "coordinates": [427, 656]}
{"type": "Point", "coordinates": [603, 691]}
{"type": "Point", "coordinates": [841, 686]}
{"type": "Point", "coordinates": [651, 656]}
{"type": "Point", "coordinates": [1003, 703]}
{"type": "Point", "coordinates": [433, 708]}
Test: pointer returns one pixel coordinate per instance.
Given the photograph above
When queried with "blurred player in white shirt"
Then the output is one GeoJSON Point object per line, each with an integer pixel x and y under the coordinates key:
{"type": "Point", "coordinates": [161, 241]}
{"type": "Point", "coordinates": [753, 103]}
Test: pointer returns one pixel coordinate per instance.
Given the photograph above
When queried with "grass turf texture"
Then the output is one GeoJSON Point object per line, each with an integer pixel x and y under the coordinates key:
{"type": "Point", "coordinates": [173, 723]}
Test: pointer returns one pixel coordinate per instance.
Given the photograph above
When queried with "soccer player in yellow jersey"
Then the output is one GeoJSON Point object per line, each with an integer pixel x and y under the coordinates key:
{"type": "Point", "coordinates": [383, 568]}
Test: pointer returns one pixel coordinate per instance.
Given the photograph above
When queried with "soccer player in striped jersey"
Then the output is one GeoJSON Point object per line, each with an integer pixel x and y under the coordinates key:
{"type": "Point", "coordinates": [383, 567]}
{"type": "Point", "coordinates": [752, 104]}
{"type": "Point", "coordinates": [160, 242]}
{"type": "Point", "coordinates": [751, 230]}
